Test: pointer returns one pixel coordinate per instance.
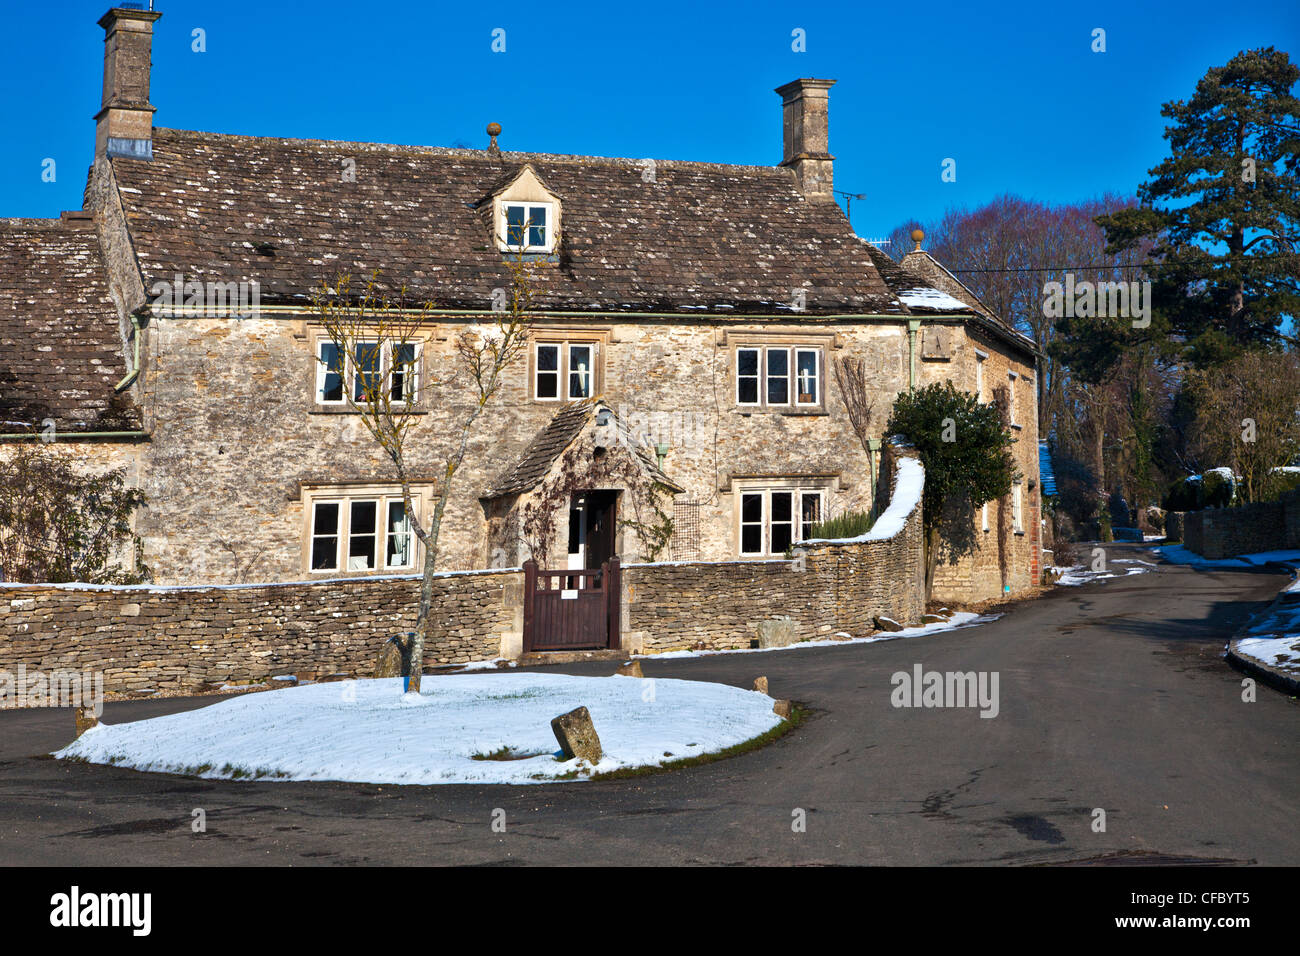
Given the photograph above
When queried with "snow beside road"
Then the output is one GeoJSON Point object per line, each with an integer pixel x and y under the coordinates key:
{"type": "Point", "coordinates": [1081, 574]}
{"type": "Point", "coordinates": [1280, 652]}
{"type": "Point", "coordinates": [1178, 554]}
{"type": "Point", "coordinates": [368, 731]}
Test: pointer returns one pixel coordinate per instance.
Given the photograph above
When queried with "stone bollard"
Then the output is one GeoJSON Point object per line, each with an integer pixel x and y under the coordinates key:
{"type": "Point", "coordinates": [577, 736]}
{"type": "Point", "coordinates": [760, 684]}
{"type": "Point", "coordinates": [783, 709]}
{"type": "Point", "coordinates": [630, 669]}
{"type": "Point", "coordinates": [780, 632]}
{"type": "Point", "coordinates": [86, 719]}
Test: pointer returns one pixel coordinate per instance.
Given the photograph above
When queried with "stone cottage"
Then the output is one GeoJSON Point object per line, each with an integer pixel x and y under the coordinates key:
{"type": "Point", "coordinates": [688, 318]}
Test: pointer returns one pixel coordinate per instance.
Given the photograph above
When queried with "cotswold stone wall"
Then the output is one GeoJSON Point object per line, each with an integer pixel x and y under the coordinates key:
{"type": "Point", "coordinates": [182, 638]}
{"type": "Point", "coordinates": [1223, 532]}
{"type": "Point", "coordinates": [834, 588]}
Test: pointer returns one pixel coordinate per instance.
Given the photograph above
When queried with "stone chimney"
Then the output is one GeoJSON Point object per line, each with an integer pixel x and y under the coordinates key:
{"type": "Point", "coordinates": [805, 113]}
{"type": "Point", "coordinates": [124, 123]}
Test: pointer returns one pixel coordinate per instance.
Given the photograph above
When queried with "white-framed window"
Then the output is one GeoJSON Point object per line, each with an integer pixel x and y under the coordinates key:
{"type": "Point", "coordinates": [773, 519]}
{"type": "Point", "coordinates": [370, 366]}
{"type": "Point", "coordinates": [330, 373]}
{"type": "Point", "coordinates": [984, 516]}
{"type": "Point", "coordinates": [564, 371]}
{"type": "Point", "coordinates": [580, 371]}
{"type": "Point", "coordinates": [358, 532]}
{"type": "Point", "coordinates": [399, 550]}
{"type": "Point", "coordinates": [1017, 510]}
{"type": "Point", "coordinates": [980, 359]}
{"type": "Point", "coordinates": [1011, 398]}
{"type": "Point", "coordinates": [779, 376]}
{"type": "Point", "coordinates": [527, 226]}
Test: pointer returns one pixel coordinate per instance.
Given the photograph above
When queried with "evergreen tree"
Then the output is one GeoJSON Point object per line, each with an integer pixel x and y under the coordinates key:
{"type": "Point", "coordinates": [965, 447]}
{"type": "Point", "coordinates": [1224, 210]}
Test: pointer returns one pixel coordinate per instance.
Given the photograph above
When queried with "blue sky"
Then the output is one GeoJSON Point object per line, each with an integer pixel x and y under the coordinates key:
{"type": "Point", "coordinates": [1011, 91]}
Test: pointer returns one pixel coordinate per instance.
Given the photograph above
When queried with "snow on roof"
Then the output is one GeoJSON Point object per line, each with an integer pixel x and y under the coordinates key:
{"type": "Point", "coordinates": [925, 297]}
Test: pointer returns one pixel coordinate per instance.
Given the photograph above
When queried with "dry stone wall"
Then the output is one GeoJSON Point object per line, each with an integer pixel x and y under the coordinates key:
{"type": "Point", "coordinates": [173, 639]}
{"type": "Point", "coordinates": [1266, 526]}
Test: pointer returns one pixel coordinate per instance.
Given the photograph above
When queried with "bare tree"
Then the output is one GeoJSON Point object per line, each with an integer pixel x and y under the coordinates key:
{"type": "Point", "coordinates": [851, 378]}
{"type": "Point", "coordinates": [380, 335]}
{"type": "Point", "coordinates": [1247, 417]}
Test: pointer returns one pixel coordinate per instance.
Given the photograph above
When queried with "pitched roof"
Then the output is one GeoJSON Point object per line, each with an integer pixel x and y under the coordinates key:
{"type": "Point", "coordinates": [920, 265]}
{"type": "Point", "coordinates": [60, 349]}
{"type": "Point", "coordinates": [926, 287]}
{"type": "Point", "coordinates": [560, 432]}
{"type": "Point", "coordinates": [691, 237]}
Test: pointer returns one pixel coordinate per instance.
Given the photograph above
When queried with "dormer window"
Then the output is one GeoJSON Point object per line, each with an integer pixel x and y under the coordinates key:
{"type": "Point", "coordinates": [528, 226]}
{"type": "Point", "coordinates": [524, 215]}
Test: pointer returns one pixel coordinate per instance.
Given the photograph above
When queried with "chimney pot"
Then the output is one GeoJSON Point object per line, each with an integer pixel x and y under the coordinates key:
{"type": "Point", "coordinates": [806, 137]}
{"type": "Point", "coordinates": [124, 123]}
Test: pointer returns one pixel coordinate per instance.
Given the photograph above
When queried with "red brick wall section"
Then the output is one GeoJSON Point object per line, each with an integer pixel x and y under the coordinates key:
{"type": "Point", "coordinates": [180, 638]}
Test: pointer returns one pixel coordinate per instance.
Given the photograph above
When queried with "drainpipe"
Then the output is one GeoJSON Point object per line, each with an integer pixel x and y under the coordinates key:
{"type": "Point", "coordinates": [134, 370]}
{"type": "Point", "coordinates": [913, 326]}
{"type": "Point", "coordinates": [873, 449]}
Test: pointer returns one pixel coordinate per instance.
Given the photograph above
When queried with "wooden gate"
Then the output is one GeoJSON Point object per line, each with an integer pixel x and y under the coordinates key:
{"type": "Point", "coordinates": [571, 610]}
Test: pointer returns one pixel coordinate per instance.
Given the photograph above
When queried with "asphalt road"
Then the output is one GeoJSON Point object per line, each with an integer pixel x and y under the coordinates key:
{"type": "Point", "coordinates": [1112, 696]}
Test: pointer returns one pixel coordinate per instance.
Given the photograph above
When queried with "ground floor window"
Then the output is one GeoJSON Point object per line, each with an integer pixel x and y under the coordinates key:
{"type": "Point", "coordinates": [773, 519]}
{"type": "Point", "coordinates": [359, 530]}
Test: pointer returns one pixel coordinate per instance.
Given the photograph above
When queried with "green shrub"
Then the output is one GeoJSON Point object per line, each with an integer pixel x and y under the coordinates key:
{"type": "Point", "coordinates": [850, 524]}
{"type": "Point", "coordinates": [1183, 495]}
{"type": "Point", "coordinates": [1216, 490]}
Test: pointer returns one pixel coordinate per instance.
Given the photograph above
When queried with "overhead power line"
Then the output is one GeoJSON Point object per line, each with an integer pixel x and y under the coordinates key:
{"type": "Point", "coordinates": [1114, 265]}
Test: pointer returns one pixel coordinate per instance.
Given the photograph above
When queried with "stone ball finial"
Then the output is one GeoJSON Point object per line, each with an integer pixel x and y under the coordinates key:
{"type": "Point", "coordinates": [494, 129]}
{"type": "Point", "coordinates": [918, 236]}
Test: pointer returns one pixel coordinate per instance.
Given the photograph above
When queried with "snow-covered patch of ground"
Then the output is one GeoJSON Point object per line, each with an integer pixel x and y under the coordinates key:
{"type": "Point", "coordinates": [476, 728]}
{"type": "Point", "coordinates": [497, 663]}
{"type": "Point", "coordinates": [1082, 574]}
{"type": "Point", "coordinates": [1280, 652]}
{"type": "Point", "coordinates": [960, 619]}
{"type": "Point", "coordinates": [1178, 554]}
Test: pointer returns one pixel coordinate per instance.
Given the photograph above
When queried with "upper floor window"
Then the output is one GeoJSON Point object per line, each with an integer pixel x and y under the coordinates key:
{"type": "Point", "coordinates": [564, 371]}
{"type": "Point", "coordinates": [780, 376]}
{"type": "Point", "coordinates": [528, 226]}
{"type": "Point", "coordinates": [1011, 398]}
{"type": "Point", "coordinates": [980, 359]}
{"type": "Point", "coordinates": [371, 366]}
